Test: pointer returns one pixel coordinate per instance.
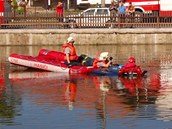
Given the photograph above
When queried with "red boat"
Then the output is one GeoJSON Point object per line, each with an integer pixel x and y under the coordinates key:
{"type": "Point", "coordinates": [48, 61]}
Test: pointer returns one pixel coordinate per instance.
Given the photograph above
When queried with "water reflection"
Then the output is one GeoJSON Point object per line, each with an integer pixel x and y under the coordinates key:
{"type": "Point", "coordinates": [111, 97]}
{"type": "Point", "coordinates": [8, 99]}
{"type": "Point", "coordinates": [139, 90]}
{"type": "Point", "coordinates": [70, 92]}
{"type": "Point", "coordinates": [40, 99]}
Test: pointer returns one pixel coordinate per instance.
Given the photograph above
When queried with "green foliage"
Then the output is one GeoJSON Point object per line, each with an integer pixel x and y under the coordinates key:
{"type": "Point", "coordinates": [14, 4]}
{"type": "Point", "coordinates": [20, 9]}
{"type": "Point", "coordinates": [16, 7]}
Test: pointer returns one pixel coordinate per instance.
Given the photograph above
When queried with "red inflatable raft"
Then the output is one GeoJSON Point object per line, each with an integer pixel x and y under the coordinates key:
{"type": "Point", "coordinates": [48, 61]}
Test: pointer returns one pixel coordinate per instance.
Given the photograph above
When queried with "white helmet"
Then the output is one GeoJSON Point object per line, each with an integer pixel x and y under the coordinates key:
{"type": "Point", "coordinates": [70, 39]}
{"type": "Point", "coordinates": [103, 55]}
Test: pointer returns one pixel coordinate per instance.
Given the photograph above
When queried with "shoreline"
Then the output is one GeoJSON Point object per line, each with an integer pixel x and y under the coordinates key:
{"type": "Point", "coordinates": [138, 36]}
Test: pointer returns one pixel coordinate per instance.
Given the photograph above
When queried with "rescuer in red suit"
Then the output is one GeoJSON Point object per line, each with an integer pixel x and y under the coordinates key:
{"type": "Point", "coordinates": [130, 67]}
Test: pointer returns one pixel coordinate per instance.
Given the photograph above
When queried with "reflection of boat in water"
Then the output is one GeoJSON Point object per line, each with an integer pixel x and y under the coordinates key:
{"type": "Point", "coordinates": [63, 90]}
{"type": "Point", "coordinates": [140, 89]}
{"type": "Point", "coordinates": [35, 74]}
{"type": "Point", "coordinates": [77, 93]}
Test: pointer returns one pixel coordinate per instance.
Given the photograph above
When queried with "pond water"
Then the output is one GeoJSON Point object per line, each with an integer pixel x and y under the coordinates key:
{"type": "Point", "coordinates": [33, 99]}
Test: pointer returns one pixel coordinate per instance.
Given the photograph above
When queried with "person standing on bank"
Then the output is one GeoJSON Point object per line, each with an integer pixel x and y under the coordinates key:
{"type": "Point", "coordinates": [121, 11]}
{"type": "Point", "coordinates": [69, 49]}
{"type": "Point", "coordinates": [130, 13]}
{"type": "Point", "coordinates": [113, 10]}
{"type": "Point", "coordinates": [121, 8]}
{"type": "Point", "coordinates": [130, 10]}
{"type": "Point", "coordinates": [59, 11]}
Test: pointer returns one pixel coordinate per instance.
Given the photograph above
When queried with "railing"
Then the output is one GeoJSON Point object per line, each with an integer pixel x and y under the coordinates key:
{"type": "Point", "coordinates": [50, 21]}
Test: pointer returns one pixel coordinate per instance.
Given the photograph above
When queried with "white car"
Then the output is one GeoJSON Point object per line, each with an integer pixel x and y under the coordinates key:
{"type": "Point", "coordinates": [91, 17]}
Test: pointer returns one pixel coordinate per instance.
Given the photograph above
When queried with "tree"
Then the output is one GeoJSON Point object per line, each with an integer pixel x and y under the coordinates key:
{"type": "Point", "coordinates": [19, 7]}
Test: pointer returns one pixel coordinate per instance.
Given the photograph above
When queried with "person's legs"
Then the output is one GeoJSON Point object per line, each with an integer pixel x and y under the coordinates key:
{"type": "Point", "coordinates": [75, 63]}
{"type": "Point", "coordinates": [72, 62]}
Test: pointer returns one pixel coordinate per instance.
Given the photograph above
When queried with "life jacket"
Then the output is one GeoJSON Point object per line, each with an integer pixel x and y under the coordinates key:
{"type": "Point", "coordinates": [96, 61]}
{"type": "Point", "coordinates": [72, 54]}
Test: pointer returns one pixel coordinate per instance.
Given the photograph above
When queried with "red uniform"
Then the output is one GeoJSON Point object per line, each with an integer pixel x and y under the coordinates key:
{"type": "Point", "coordinates": [130, 67]}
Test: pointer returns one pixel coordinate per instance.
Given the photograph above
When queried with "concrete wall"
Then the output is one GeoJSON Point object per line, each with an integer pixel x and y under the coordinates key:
{"type": "Point", "coordinates": [85, 36]}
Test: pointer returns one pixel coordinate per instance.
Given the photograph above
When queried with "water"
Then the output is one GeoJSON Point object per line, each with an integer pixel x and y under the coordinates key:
{"type": "Point", "coordinates": [32, 99]}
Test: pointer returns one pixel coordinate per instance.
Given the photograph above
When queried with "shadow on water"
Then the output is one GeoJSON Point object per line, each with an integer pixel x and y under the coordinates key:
{"type": "Point", "coordinates": [39, 99]}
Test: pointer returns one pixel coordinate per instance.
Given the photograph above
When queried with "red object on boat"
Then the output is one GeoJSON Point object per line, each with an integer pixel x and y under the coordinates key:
{"type": "Point", "coordinates": [52, 54]}
{"type": "Point", "coordinates": [48, 61]}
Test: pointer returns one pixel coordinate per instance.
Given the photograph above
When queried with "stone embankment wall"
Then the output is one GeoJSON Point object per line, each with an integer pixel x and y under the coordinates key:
{"type": "Point", "coordinates": [86, 36]}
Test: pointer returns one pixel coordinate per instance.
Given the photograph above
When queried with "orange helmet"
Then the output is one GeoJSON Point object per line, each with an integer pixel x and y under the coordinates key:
{"type": "Point", "coordinates": [131, 60]}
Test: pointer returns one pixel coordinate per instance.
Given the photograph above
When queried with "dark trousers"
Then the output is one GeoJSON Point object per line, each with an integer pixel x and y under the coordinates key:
{"type": "Point", "coordinates": [73, 62]}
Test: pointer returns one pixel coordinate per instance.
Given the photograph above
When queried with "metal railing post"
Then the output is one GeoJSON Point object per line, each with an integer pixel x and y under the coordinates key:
{"type": "Point", "coordinates": [158, 21]}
